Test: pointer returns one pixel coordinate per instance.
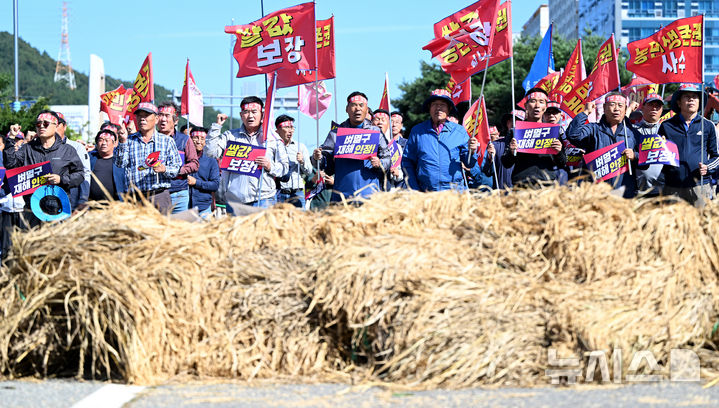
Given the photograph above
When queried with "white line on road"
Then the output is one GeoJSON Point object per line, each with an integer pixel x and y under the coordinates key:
{"type": "Point", "coordinates": [110, 396]}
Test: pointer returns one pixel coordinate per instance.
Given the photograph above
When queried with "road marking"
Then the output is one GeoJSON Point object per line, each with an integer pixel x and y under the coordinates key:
{"type": "Point", "coordinates": [110, 396]}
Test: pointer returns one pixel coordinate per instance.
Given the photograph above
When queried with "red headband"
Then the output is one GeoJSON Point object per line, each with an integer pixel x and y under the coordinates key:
{"type": "Point", "coordinates": [48, 117]}
{"type": "Point", "coordinates": [358, 99]}
{"type": "Point", "coordinates": [441, 92]}
{"type": "Point", "coordinates": [616, 98]}
{"type": "Point", "coordinates": [285, 123]}
{"type": "Point", "coordinates": [397, 116]}
{"type": "Point", "coordinates": [493, 129]}
{"type": "Point", "coordinates": [381, 114]}
{"type": "Point", "coordinates": [251, 105]}
{"type": "Point", "coordinates": [168, 109]}
{"type": "Point", "coordinates": [537, 95]}
{"type": "Point", "coordinates": [199, 133]}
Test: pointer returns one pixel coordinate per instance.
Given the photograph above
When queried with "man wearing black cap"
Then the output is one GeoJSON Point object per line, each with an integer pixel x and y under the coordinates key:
{"type": "Point", "coordinates": [531, 168]}
{"type": "Point", "coordinates": [687, 129]}
{"type": "Point", "coordinates": [437, 148]}
{"type": "Point", "coordinates": [67, 169]}
{"type": "Point", "coordinates": [353, 177]}
{"type": "Point", "coordinates": [650, 178]}
{"type": "Point", "coordinates": [151, 177]}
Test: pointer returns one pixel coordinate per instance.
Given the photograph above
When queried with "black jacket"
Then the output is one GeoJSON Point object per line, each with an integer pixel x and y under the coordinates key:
{"type": "Point", "coordinates": [63, 160]}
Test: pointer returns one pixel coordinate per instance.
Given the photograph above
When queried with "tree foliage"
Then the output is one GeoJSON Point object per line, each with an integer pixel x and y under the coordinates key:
{"type": "Point", "coordinates": [497, 89]}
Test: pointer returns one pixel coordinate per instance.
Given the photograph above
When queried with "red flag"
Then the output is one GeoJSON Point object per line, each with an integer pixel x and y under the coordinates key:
{"type": "Point", "coordinates": [466, 65]}
{"type": "Point", "coordinates": [548, 83]}
{"type": "Point", "coordinates": [114, 103]}
{"type": "Point", "coordinates": [143, 90]}
{"type": "Point", "coordinates": [573, 74]}
{"type": "Point", "coordinates": [280, 40]}
{"type": "Point", "coordinates": [269, 116]}
{"type": "Point", "coordinates": [716, 82]}
{"type": "Point", "coordinates": [672, 54]}
{"type": "Point", "coordinates": [325, 58]}
{"type": "Point", "coordinates": [603, 78]}
{"type": "Point", "coordinates": [477, 126]}
{"type": "Point", "coordinates": [384, 101]}
{"type": "Point", "coordinates": [191, 99]}
{"type": "Point", "coordinates": [474, 20]}
{"type": "Point", "coordinates": [459, 92]}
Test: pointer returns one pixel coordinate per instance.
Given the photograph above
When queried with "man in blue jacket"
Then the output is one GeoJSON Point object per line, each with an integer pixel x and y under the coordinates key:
{"type": "Point", "coordinates": [107, 174]}
{"type": "Point", "coordinates": [437, 148]}
{"type": "Point", "coordinates": [686, 129]}
{"type": "Point", "coordinates": [353, 177]}
{"type": "Point", "coordinates": [612, 128]}
{"type": "Point", "coordinates": [206, 180]}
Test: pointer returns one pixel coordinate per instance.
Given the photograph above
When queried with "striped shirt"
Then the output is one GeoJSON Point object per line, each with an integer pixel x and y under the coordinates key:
{"type": "Point", "coordinates": [132, 154]}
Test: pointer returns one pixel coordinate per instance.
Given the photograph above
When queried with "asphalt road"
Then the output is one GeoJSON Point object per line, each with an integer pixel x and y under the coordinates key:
{"type": "Point", "coordinates": [73, 394]}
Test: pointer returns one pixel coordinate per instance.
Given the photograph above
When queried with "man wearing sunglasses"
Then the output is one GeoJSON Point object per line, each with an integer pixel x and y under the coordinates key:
{"type": "Point", "coordinates": [67, 169]}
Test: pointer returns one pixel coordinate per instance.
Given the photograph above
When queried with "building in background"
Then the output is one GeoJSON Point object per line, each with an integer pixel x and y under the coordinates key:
{"type": "Point", "coordinates": [538, 24]}
{"type": "Point", "coordinates": [631, 20]}
{"type": "Point", "coordinates": [565, 16]}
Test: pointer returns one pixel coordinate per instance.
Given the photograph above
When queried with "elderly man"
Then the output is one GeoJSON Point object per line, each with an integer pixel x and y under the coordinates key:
{"type": "Point", "coordinates": [109, 182]}
{"type": "Point", "coordinates": [353, 177]}
{"type": "Point", "coordinates": [437, 148]}
{"type": "Point", "coordinates": [532, 168]}
{"type": "Point", "coordinates": [152, 178]}
{"type": "Point", "coordinates": [650, 178]}
{"type": "Point", "coordinates": [380, 118]}
{"type": "Point", "coordinates": [206, 180]}
{"type": "Point", "coordinates": [397, 124]}
{"type": "Point", "coordinates": [292, 184]}
{"type": "Point", "coordinates": [248, 190]}
{"type": "Point", "coordinates": [67, 169]}
{"type": "Point", "coordinates": [612, 128]}
{"type": "Point", "coordinates": [687, 129]}
{"type": "Point", "coordinates": [166, 124]}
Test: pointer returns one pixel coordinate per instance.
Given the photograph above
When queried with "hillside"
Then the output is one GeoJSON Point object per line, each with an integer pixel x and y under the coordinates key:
{"type": "Point", "coordinates": [36, 78]}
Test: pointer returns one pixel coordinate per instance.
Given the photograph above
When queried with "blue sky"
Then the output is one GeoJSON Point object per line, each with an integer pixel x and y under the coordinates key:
{"type": "Point", "coordinates": [372, 37]}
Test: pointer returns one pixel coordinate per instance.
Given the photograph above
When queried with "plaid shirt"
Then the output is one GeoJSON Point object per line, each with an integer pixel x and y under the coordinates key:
{"type": "Point", "coordinates": [131, 157]}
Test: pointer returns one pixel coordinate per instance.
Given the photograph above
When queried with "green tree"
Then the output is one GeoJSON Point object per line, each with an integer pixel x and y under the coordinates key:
{"type": "Point", "coordinates": [497, 89]}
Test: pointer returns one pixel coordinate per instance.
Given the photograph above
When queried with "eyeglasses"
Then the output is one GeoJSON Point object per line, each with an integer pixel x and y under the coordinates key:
{"type": "Point", "coordinates": [106, 140]}
{"type": "Point", "coordinates": [44, 123]}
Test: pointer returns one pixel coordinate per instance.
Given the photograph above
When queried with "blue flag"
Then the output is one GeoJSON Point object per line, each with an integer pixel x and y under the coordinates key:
{"type": "Point", "coordinates": [543, 62]}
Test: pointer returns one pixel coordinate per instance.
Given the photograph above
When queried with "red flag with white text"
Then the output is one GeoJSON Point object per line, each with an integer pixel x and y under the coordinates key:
{"type": "Point", "coordinates": [466, 65]}
{"type": "Point", "coordinates": [459, 92]}
{"type": "Point", "coordinates": [672, 54]}
{"type": "Point", "coordinates": [474, 20]}
{"type": "Point", "coordinates": [325, 33]}
{"type": "Point", "coordinates": [280, 40]}
{"type": "Point", "coordinates": [114, 104]}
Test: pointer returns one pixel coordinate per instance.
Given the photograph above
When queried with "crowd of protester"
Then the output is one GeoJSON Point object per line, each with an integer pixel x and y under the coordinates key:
{"type": "Point", "coordinates": [436, 155]}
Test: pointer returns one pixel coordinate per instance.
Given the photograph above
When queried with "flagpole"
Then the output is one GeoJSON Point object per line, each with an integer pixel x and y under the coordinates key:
{"type": "Point", "coordinates": [317, 96]}
{"type": "Point", "coordinates": [334, 80]}
{"type": "Point", "coordinates": [514, 120]}
{"type": "Point", "coordinates": [262, 10]}
{"type": "Point", "coordinates": [624, 119]}
{"type": "Point", "coordinates": [484, 77]}
{"type": "Point", "coordinates": [701, 112]}
{"type": "Point", "coordinates": [232, 79]}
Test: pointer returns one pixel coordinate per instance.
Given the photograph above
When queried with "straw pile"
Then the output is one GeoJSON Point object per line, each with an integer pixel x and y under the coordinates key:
{"type": "Point", "coordinates": [418, 290]}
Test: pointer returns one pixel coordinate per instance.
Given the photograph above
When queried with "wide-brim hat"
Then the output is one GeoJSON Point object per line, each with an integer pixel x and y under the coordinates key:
{"type": "Point", "coordinates": [50, 203]}
{"type": "Point", "coordinates": [695, 88]}
{"type": "Point", "coordinates": [440, 95]}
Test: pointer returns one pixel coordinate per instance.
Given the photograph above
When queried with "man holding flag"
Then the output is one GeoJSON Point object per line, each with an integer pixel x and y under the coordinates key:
{"type": "Point", "coordinates": [245, 188]}
{"type": "Point", "coordinates": [437, 148]}
{"type": "Point", "coordinates": [613, 127]}
{"type": "Point", "coordinates": [650, 178]}
{"type": "Point", "coordinates": [687, 129]}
